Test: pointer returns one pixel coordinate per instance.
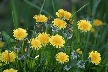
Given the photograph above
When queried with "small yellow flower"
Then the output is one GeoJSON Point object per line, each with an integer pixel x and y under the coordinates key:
{"type": "Point", "coordinates": [8, 56]}
{"type": "Point", "coordinates": [84, 25]}
{"type": "Point", "coordinates": [57, 41]}
{"type": "Point", "coordinates": [63, 14]}
{"type": "Point", "coordinates": [95, 57]}
{"type": "Point", "coordinates": [35, 43]}
{"type": "Point", "coordinates": [1, 44]}
{"type": "Point", "coordinates": [59, 23]}
{"type": "Point", "coordinates": [79, 51]}
{"type": "Point", "coordinates": [40, 18]}
{"type": "Point", "coordinates": [62, 57]}
{"type": "Point", "coordinates": [93, 30]}
{"type": "Point", "coordinates": [97, 22]}
{"type": "Point", "coordinates": [60, 13]}
{"type": "Point", "coordinates": [67, 15]}
{"type": "Point", "coordinates": [44, 38]}
{"type": "Point", "coordinates": [10, 70]}
{"type": "Point", "coordinates": [20, 33]}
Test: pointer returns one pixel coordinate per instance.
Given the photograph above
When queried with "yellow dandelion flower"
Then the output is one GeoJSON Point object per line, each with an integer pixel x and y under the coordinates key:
{"type": "Point", "coordinates": [1, 44]}
{"type": "Point", "coordinates": [20, 33]}
{"type": "Point", "coordinates": [57, 41]}
{"type": "Point", "coordinates": [95, 57]}
{"type": "Point", "coordinates": [84, 25]}
{"type": "Point", "coordinates": [60, 13]}
{"type": "Point", "coordinates": [93, 30]}
{"type": "Point", "coordinates": [8, 56]}
{"type": "Point", "coordinates": [59, 23]}
{"type": "Point", "coordinates": [63, 14]}
{"type": "Point", "coordinates": [67, 15]}
{"type": "Point", "coordinates": [44, 38]}
{"type": "Point", "coordinates": [35, 43]}
{"type": "Point", "coordinates": [97, 22]}
{"type": "Point", "coordinates": [40, 18]}
{"type": "Point", "coordinates": [62, 57]}
{"type": "Point", "coordinates": [79, 51]}
{"type": "Point", "coordinates": [10, 70]}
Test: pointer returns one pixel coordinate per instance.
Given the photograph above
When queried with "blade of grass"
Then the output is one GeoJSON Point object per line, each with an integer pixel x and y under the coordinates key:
{"type": "Point", "coordinates": [80, 9]}
{"type": "Point", "coordinates": [95, 4]}
{"type": "Point", "coordinates": [37, 7]}
{"type": "Point", "coordinates": [14, 13]}
{"type": "Point", "coordinates": [53, 6]}
{"type": "Point", "coordinates": [42, 7]}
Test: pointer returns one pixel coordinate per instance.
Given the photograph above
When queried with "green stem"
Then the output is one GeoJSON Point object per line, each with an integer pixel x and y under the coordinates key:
{"type": "Point", "coordinates": [42, 7]}
{"type": "Point", "coordinates": [53, 6]}
{"type": "Point", "coordinates": [14, 13]}
{"type": "Point", "coordinates": [22, 47]}
{"type": "Point", "coordinates": [37, 7]}
{"type": "Point", "coordinates": [88, 36]}
{"type": "Point", "coordinates": [80, 9]}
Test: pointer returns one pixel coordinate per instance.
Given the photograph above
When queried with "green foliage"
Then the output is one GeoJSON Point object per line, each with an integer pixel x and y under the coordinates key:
{"type": "Point", "coordinates": [43, 60]}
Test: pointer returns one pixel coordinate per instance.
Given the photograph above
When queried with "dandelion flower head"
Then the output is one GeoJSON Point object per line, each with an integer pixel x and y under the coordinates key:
{"type": "Point", "coordinates": [67, 15]}
{"type": "Point", "coordinates": [84, 25]}
{"type": "Point", "coordinates": [63, 14]}
{"type": "Point", "coordinates": [95, 57]}
{"type": "Point", "coordinates": [97, 22]}
{"type": "Point", "coordinates": [59, 23]}
{"type": "Point", "coordinates": [40, 18]}
{"type": "Point", "coordinates": [60, 13]}
{"type": "Point", "coordinates": [20, 33]}
{"type": "Point", "coordinates": [8, 56]}
{"type": "Point", "coordinates": [10, 70]}
{"type": "Point", "coordinates": [35, 43]}
{"type": "Point", "coordinates": [57, 41]}
{"type": "Point", "coordinates": [62, 57]}
{"type": "Point", "coordinates": [44, 38]}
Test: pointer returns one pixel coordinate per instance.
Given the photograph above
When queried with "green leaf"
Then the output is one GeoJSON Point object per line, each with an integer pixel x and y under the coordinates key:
{"type": "Point", "coordinates": [6, 37]}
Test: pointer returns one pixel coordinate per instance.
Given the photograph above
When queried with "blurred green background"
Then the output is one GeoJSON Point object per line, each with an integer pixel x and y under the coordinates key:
{"type": "Point", "coordinates": [19, 13]}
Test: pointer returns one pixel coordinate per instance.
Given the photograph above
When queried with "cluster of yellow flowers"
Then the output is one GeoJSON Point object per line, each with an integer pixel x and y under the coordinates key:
{"type": "Point", "coordinates": [63, 14]}
{"type": "Point", "coordinates": [8, 56]}
{"type": "Point", "coordinates": [60, 21]}
{"type": "Point", "coordinates": [10, 70]}
{"type": "Point", "coordinates": [41, 39]}
{"type": "Point", "coordinates": [55, 40]}
{"type": "Point", "coordinates": [44, 38]}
